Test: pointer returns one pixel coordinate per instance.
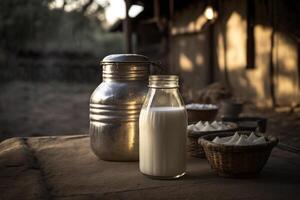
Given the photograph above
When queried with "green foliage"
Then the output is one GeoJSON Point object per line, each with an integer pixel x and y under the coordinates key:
{"type": "Point", "coordinates": [20, 20]}
{"type": "Point", "coordinates": [40, 44]}
{"type": "Point", "coordinates": [31, 25]}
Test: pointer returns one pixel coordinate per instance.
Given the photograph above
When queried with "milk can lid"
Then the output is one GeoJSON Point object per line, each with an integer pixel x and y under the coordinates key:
{"type": "Point", "coordinates": [125, 58]}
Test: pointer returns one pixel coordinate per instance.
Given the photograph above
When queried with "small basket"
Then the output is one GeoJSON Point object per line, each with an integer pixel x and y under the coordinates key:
{"type": "Point", "coordinates": [196, 150]}
{"type": "Point", "coordinates": [237, 161]}
{"type": "Point", "coordinates": [195, 115]}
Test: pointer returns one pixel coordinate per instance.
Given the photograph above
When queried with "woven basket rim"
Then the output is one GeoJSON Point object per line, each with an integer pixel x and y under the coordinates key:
{"type": "Point", "coordinates": [201, 110]}
{"type": "Point", "coordinates": [205, 142]}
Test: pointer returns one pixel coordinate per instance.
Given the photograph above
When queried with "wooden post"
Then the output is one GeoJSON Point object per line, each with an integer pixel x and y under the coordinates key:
{"type": "Point", "coordinates": [156, 10]}
{"type": "Point", "coordinates": [250, 34]}
{"type": "Point", "coordinates": [298, 86]}
{"type": "Point", "coordinates": [169, 37]}
{"type": "Point", "coordinates": [127, 30]}
{"type": "Point", "coordinates": [211, 70]}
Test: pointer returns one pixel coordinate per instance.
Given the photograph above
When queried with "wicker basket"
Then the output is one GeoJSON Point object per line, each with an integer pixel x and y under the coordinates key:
{"type": "Point", "coordinates": [195, 115]}
{"type": "Point", "coordinates": [196, 150]}
{"type": "Point", "coordinates": [237, 161]}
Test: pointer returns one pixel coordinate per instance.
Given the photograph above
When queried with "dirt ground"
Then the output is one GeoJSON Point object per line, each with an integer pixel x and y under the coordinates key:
{"type": "Point", "coordinates": [38, 109]}
{"type": "Point", "coordinates": [59, 108]}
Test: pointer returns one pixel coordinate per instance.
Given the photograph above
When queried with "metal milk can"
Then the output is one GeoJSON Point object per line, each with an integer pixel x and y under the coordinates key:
{"type": "Point", "coordinates": [115, 107]}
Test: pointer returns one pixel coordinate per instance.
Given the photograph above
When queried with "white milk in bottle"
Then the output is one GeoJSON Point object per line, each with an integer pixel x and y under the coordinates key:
{"type": "Point", "coordinates": [162, 135]}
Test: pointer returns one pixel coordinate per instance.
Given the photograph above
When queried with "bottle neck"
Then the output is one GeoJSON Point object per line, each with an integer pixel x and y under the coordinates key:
{"type": "Point", "coordinates": [163, 92]}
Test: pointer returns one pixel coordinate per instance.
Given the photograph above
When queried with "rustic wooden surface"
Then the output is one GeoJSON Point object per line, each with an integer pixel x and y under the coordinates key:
{"type": "Point", "coordinates": [65, 168]}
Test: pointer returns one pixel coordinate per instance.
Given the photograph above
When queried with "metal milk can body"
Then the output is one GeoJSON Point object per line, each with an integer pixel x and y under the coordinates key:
{"type": "Point", "coordinates": [115, 107]}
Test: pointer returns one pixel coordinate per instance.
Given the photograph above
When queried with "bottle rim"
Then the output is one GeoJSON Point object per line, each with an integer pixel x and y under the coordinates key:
{"type": "Point", "coordinates": [163, 81]}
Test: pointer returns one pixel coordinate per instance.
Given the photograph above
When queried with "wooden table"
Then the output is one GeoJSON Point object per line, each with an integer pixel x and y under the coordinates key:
{"type": "Point", "coordinates": [64, 167]}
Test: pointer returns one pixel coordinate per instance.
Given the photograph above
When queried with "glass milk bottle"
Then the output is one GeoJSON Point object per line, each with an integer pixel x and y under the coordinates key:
{"type": "Point", "coordinates": [162, 130]}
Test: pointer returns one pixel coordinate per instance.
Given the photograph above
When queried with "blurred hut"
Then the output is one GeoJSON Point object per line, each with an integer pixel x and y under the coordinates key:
{"type": "Point", "coordinates": [252, 46]}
